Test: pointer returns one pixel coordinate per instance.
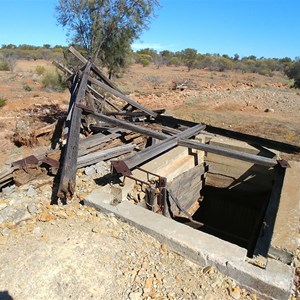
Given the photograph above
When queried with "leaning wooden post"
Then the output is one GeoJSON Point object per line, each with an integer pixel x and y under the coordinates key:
{"type": "Point", "coordinates": [69, 164]}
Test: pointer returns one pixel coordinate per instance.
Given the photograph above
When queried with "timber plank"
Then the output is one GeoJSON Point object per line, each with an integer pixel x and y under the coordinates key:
{"type": "Point", "coordinates": [68, 171]}
{"type": "Point", "coordinates": [161, 147]}
{"type": "Point", "coordinates": [252, 158]}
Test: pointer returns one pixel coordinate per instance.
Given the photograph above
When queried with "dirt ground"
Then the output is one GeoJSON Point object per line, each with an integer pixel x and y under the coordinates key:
{"type": "Point", "coordinates": [54, 254]}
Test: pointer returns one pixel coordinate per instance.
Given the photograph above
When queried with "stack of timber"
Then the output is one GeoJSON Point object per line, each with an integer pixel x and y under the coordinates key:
{"type": "Point", "coordinates": [103, 123]}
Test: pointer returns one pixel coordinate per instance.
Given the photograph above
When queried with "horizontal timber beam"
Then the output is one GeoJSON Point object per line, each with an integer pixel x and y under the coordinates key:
{"type": "Point", "coordinates": [252, 158]}
{"type": "Point", "coordinates": [126, 125]}
{"type": "Point", "coordinates": [159, 148]}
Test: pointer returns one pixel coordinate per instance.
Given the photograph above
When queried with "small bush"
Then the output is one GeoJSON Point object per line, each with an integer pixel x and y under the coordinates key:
{"type": "Point", "coordinates": [40, 70]}
{"type": "Point", "coordinates": [54, 81]}
{"type": "Point", "coordinates": [4, 65]}
{"type": "Point", "coordinates": [2, 101]}
{"type": "Point", "coordinates": [145, 62]}
{"type": "Point", "coordinates": [156, 80]}
{"type": "Point", "coordinates": [26, 87]}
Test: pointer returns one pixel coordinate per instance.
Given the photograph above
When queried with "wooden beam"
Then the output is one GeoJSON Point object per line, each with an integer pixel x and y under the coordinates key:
{"type": "Point", "coordinates": [122, 96]}
{"type": "Point", "coordinates": [252, 158]}
{"type": "Point", "coordinates": [62, 68]}
{"type": "Point", "coordinates": [98, 96]}
{"type": "Point", "coordinates": [68, 170]}
{"type": "Point", "coordinates": [101, 155]}
{"type": "Point", "coordinates": [134, 113]}
{"type": "Point", "coordinates": [161, 147]}
{"type": "Point", "coordinates": [94, 141]}
{"type": "Point", "coordinates": [127, 125]}
{"type": "Point", "coordinates": [255, 140]}
{"type": "Point", "coordinates": [94, 68]}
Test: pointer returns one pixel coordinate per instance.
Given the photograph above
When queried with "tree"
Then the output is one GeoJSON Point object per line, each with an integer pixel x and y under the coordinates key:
{"type": "Point", "coordinates": [105, 27]}
{"type": "Point", "coordinates": [189, 57]}
{"type": "Point", "coordinates": [293, 72]}
{"type": "Point", "coordinates": [236, 57]}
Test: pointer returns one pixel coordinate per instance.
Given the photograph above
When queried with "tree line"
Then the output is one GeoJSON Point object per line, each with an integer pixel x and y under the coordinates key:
{"type": "Point", "coordinates": [191, 59]}
{"type": "Point", "coordinates": [188, 58]}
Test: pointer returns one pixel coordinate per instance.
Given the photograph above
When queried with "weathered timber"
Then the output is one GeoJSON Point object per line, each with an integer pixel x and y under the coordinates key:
{"type": "Point", "coordinates": [256, 140]}
{"type": "Point", "coordinates": [127, 125]}
{"type": "Point", "coordinates": [95, 157]}
{"type": "Point", "coordinates": [6, 177]}
{"type": "Point", "coordinates": [94, 68]}
{"type": "Point", "coordinates": [89, 144]}
{"type": "Point", "coordinates": [101, 98]}
{"type": "Point", "coordinates": [122, 96]}
{"type": "Point", "coordinates": [161, 147]}
{"type": "Point", "coordinates": [134, 113]}
{"type": "Point", "coordinates": [252, 158]}
{"type": "Point", "coordinates": [62, 68]}
{"type": "Point", "coordinates": [248, 138]}
{"type": "Point", "coordinates": [68, 174]}
{"type": "Point", "coordinates": [186, 187]}
{"type": "Point", "coordinates": [44, 130]}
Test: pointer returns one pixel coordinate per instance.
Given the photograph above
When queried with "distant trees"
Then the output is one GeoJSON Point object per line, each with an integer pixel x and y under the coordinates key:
{"type": "Point", "coordinates": [213, 62]}
{"type": "Point", "coordinates": [189, 58]}
{"type": "Point", "coordinates": [105, 28]}
{"type": "Point", "coordinates": [10, 53]}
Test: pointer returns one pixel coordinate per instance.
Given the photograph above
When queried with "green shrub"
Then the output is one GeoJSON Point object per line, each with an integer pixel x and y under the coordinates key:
{"type": "Point", "coordinates": [4, 66]}
{"type": "Point", "coordinates": [26, 87]}
{"type": "Point", "coordinates": [293, 72]}
{"type": "Point", "coordinates": [40, 70]}
{"type": "Point", "coordinates": [145, 62]}
{"type": "Point", "coordinates": [174, 61]}
{"type": "Point", "coordinates": [2, 101]}
{"type": "Point", "coordinates": [54, 81]}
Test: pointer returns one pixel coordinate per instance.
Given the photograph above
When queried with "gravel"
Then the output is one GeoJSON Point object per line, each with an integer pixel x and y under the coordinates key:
{"type": "Point", "coordinates": [75, 252]}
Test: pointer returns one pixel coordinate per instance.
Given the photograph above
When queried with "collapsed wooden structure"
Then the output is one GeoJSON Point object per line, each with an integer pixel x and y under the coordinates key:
{"type": "Point", "coordinates": [103, 123]}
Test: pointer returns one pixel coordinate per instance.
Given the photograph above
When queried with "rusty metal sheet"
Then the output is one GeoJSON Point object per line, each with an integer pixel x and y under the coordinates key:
{"type": "Point", "coordinates": [283, 163]}
{"type": "Point", "coordinates": [30, 160]}
{"type": "Point", "coordinates": [51, 162]}
{"type": "Point", "coordinates": [120, 167]}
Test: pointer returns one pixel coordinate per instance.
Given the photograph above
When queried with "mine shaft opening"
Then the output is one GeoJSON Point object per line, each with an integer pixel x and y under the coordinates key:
{"type": "Point", "coordinates": [232, 207]}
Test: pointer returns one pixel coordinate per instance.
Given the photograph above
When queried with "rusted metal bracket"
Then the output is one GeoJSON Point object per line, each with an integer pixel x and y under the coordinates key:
{"type": "Point", "coordinates": [120, 167]}
{"type": "Point", "coordinates": [52, 163]}
{"type": "Point", "coordinates": [283, 163]}
{"type": "Point", "coordinates": [30, 160]}
{"type": "Point", "coordinates": [156, 195]}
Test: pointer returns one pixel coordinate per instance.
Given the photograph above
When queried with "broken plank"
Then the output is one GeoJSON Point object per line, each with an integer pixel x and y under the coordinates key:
{"type": "Point", "coordinates": [95, 140]}
{"type": "Point", "coordinates": [95, 157]}
{"type": "Point", "coordinates": [252, 158]}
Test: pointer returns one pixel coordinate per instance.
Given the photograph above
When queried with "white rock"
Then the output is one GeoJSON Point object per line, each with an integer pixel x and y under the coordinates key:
{"type": "Point", "coordinates": [37, 232]}
{"type": "Point", "coordinates": [6, 191]}
{"type": "Point", "coordinates": [31, 192]}
{"type": "Point", "coordinates": [89, 171]}
{"type": "Point", "coordinates": [32, 208]}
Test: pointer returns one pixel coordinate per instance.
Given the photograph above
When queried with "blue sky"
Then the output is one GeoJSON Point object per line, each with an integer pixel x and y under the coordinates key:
{"type": "Point", "coordinates": [268, 28]}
